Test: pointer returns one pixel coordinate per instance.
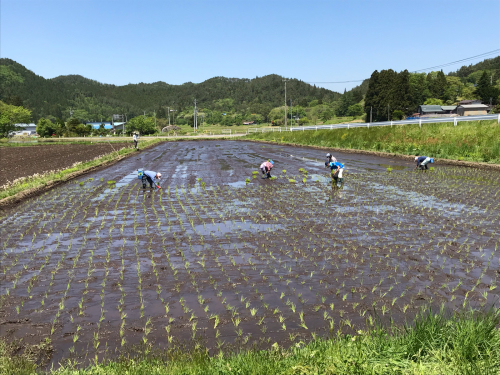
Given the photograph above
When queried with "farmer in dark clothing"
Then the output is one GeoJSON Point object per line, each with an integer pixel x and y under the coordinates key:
{"type": "Point", "coordinates": [422, 162]}
{"type": "Point", "coordinates": [150, 177]}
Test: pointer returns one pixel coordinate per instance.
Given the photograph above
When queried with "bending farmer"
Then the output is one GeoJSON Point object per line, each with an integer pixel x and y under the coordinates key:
{"type": "Point", "coordinates": [329, 159]}
{"type": "Point", "coordinates": [336, 170]}
{"type": "Point", "coordinates": [266, 168]}
{"type": "Point", "coordinates": [150, 176]}
{"type": "Point", "coordinates": [422, 162]}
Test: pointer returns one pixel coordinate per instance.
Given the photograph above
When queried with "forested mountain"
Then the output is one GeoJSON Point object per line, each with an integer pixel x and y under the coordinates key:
{"type": "Point", "coordinates": [386, 95]}
{"type": "Point", "coordinates": [54, 97]}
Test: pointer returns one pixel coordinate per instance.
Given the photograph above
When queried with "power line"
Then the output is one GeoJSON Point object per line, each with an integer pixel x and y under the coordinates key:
{"type": "Point", "coordinates": [432, 67]}
{"type": "Point", "coordinates": [458, 61]}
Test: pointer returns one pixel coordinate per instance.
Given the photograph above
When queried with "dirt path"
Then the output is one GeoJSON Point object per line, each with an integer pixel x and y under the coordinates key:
{"type": "Point", "coordinates": [213, 260]}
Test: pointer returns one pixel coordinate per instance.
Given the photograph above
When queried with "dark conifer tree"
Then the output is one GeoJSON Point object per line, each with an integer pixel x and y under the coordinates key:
{"type": "Point", "coordinates": [401, 94]}
{"type": "Point", "coordinates": [371, 97]}
{"type": "Point", "coordinates": [485, 91]}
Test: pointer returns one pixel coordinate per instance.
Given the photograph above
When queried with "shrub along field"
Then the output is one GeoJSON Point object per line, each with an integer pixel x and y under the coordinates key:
{"type": "Point", "coordinates": [473, 141]}
{"type": "Point", "coordinates": [222, 271]}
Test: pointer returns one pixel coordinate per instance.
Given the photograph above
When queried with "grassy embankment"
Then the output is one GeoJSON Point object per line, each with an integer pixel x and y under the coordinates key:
{"type": "Point", "coordinates": [436, 343]}
{"type": "Point", "coordinates": [472, 141]}
{"type": "Point", "coordinates": [217, 128]}
{"type": "Point", "coordinates": [39, 181]}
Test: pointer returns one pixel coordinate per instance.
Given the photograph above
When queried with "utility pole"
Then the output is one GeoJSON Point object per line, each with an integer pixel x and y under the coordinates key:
{"type": "Point", "coordinates": [371, 114]}
{"type": "Point", "coordinates": [285, 106]}
{"type": "Point", "coordinates": [173, 114]}
{"type": "Point", "coordinates": [388, 119]}
{"type": "Point", "coordinates": [291, 114]}
{"type": "Point", "coordinates": [195, 116]}
{"type": "Point", "coordinates": [168, 113]}
{"type": "Point", "coordinates": [155, 119]}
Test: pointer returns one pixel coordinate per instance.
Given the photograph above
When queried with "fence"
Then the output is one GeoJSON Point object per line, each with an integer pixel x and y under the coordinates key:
{"type": "Point", "coordinates": [420, 121]}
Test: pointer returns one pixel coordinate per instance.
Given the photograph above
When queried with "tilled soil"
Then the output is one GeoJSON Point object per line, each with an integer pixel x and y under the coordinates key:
{"type": "Point", "coordinates": [211, 259]}
{"type": "Point", "coordinates": [26, 161]}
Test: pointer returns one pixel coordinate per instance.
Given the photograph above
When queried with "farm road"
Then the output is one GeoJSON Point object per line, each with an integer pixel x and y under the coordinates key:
{"type": "Point", "coordinates": [219, 262]}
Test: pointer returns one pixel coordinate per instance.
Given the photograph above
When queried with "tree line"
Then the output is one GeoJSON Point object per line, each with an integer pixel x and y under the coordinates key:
{"type": "Point", "coordinates": [392, 96]}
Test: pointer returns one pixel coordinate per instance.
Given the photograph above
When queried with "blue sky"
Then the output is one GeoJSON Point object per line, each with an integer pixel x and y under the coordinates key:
{"type": "Point", "coordinates": [120, 42]}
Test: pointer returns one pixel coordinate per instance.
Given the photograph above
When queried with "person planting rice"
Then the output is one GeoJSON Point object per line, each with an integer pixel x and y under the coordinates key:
{"type": "Point", "coordinates": [422, 162]}
{"type": "Point", "coordinates": [266, 168]}
{"type": "Point", "coordinates": [329, 159]}
{"type": "Point", "coordinates": [336, 171]}
{"type": "Point", "coordinates": [149, 177]}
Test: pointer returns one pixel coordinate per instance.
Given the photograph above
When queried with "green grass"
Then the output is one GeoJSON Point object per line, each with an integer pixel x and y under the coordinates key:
{"type": "Point", "coordinates": [42, 180]}
{"type": "Point", "coordinates": [435, 343]}
{"type": "Point", "coordinates": [472, 141]}
{"type": "Point", "coordinates": [20, 142]}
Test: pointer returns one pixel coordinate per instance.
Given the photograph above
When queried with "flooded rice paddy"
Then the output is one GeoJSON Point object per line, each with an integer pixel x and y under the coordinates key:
{"type": "Point", "coordinates": [215, 261]}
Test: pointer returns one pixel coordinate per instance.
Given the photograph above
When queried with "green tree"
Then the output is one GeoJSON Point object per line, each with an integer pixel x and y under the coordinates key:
{"type": "Point", "coordinates": [326, 115]}
{"type": "Point", "coordinates": [485, 91]}
{"type": "Point", "coordinates": [437, 84]}
{"type": "Point", "coordinates": [398, 115]}
{"type": "Point", "coordinates": [11, 115]}
{"type": "Point", "coordinates": [355, 110]}
{"type": "Point", "coordinates": [371, 97]}
{"type": "Point", "coordinates": [81, 115]}
{"type": "Point", "coordinates": [401, 95]}
{"type": "Point", "coordinates": [46, 128]}
{"type": "Point", "coordinates": [433, 101]}
{"type": "Point", "coordinates": [72, 126]}
{"type": "Point", "coordinates": [141, 124]}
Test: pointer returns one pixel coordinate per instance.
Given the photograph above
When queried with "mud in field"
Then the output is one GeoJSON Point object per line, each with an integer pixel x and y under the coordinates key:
{"type": "Point", "coordinates": [26, 161]}
{"type": "Point", "coordinates": [214, 260]}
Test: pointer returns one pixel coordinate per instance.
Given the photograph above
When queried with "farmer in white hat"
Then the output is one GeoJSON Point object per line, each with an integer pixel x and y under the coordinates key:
{"type": "Point", "coordinates": [329, 159]}
{"type": "Point", "coordinates": [422, 162]}
{"type": "Point", "coordinates": [150, 176]}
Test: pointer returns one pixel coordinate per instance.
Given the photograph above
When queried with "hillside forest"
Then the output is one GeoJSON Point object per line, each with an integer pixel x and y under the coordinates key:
{"type": "Point", "coordinates": [231, 101]}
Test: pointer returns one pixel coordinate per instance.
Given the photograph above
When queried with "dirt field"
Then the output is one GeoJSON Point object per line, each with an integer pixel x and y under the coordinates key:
{"type": "Point", "coordinates": [26, 161]}
{"type": "Point", "coordinates": [213, 260]}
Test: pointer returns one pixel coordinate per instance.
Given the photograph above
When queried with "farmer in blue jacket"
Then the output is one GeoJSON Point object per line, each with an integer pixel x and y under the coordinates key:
{"type": "Point", "coordinates": [336, 170]}
{"type": "Point", "coordinates": [150, 176]}
{"type": "Point", "coordinates": [422, 162]}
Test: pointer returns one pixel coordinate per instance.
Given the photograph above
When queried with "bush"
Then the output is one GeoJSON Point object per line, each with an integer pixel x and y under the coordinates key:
{"type": "Point", "coordinates": [398, 115]}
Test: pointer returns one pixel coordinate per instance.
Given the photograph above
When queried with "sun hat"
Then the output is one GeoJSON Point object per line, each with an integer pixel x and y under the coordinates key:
{"type": "Point", "coordinates": [271, 161]}
{"type": "Point", "coordinates": [328, 155]}
{"type": "Point", "coordinates": [416, 158]}
{"type": "Point", "coordinates": [158, 174]}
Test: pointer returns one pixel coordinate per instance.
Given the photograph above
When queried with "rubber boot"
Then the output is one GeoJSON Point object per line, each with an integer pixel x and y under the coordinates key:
{"type": "Point", "coordinates": [143, 184]}
{"type": "Point", "coordinates": [269, 175]}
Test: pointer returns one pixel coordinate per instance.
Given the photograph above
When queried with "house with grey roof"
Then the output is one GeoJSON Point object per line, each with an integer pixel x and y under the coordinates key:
{"type": "Point", "coordinates": [472, 109]}
{"type": "Point", "coordinates": [449, 109]}
{"type": "Point", "coordinates": [469, 101]}
{"type": "Point", "coordinates": [426, 110]}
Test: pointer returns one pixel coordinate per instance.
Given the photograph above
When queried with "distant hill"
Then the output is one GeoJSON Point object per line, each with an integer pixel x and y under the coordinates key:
{"type": "Point", "coordinates": [56, 96]}
{"type": "Point", "coordinates": [488, 64]}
